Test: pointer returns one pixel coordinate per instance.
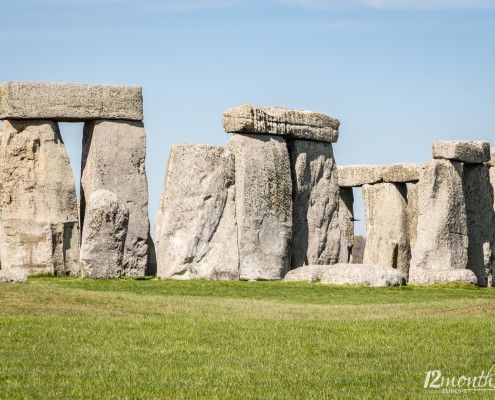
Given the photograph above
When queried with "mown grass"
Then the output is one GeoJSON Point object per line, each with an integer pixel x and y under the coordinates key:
{"type": "Point", "coordinates": [68, 338]}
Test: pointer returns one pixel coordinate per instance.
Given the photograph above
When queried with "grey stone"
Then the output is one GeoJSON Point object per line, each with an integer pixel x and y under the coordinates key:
{"type": "Point", "coordinates": [14, 275]}
{"type": "Point", "coordinates": [491, 162]}
{"type": "Point", "coordinates": [195, 233]}
{"type": "Point", "coordinates": [359, 175]}
{"type": "Point", "coordinates": [315, 196]}
{"type": "Point", "coordinates": [346, 224]}
{"type": "Point", "coordinates": [308, 273]}
{"type": "Point", "coordinates": [113, 159]}
{"type": "Point", "coordinates": [401, 173]}
{"type": "Point", "coordinates": [467, 151]}
{"type": "Point", "coordinates": [263, 205]}
{"type": "Point", "coordinates": [387, 227]}
{"type": "Point", "coordinates": [430, 277]}
{"type": "Point", "coordinates": [284, 122]}
{"type": "Point", "coordinates": [442, 239]}
{"type": "Point", "coordinates": [39, 231]}
{"type": "Point", "coordinates": [362, 275]}
{"type": "Point", "coordinates": [412, 213]}
{"type": "Point", "coordinates": [69, 101]}
{"type": "Point", "coordinates": [103, 238]}
{"type": "Point", "coordinates": [491, 276]}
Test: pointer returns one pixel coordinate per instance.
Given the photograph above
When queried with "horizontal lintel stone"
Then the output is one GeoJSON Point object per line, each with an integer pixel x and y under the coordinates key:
{"type": "Point", "coordinates": [401, 173]}
{"type": "Point", "coordinates": [359, 175]}
{"type": "Point", "coordinates": [466, 151]}
{"type": "Point", "coordinates": [70, 101]}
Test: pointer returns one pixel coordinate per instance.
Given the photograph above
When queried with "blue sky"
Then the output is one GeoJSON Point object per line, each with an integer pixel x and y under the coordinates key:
{"type": "Point", "coordinates": [398, 74]}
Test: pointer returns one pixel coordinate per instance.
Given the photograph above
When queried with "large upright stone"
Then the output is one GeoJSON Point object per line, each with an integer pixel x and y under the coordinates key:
{"type": "Point", "coordinates": [387, 227]}
{"type": "Point", "coordinates": [263, 205]}
{"type": "Point", "coordinates": [315, 196]}
{"type": "Point", "coordinates": [114, 159]}
{"type": "Point", "coordinates": [292, 124]}
{"type": "Point", "coordinates": [412, 213]}
{"type": "Point", "coordinates": [359, 175]}
{"type": "Point", "coordinates": [69, 101]}
{"type": "Point", "coordinates": [467, 151]}
{"type": "Point", "coordinates": [39, 230]}
{"type": "Point", "coordinates": [442, 239]}
{"type": "Point", "coordinates": [478, 195]}
{"type": "Point", "coordinates": [346, 224]}
{"type": "Point", "coordinates": [491, 277]}
{"type": "Point", "coordinates": [195, 233]}
{"type": "Point", "coordinates": [103, 238]}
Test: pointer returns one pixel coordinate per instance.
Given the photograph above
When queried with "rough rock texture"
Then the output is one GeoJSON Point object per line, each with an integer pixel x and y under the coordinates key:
{"type": "Point", "coordinates": [195, 233]}
{"type": "Point", "coordinates": [114, 159]}
{"type": "Point", "coordinates": [69, 101]}
{"type": "Point", "coordinates": [412, 213]}
{"type": "Point", "coordinates": [401, 173]}
{"type": "Point", "coordinates": [308, 273]}
{"type": "Point", "coordinates": [346, 224]}
{"type": "Point", "coordinates": [428, 277]}
{"type": "Point", "coordinates": [103, 238]}
{"type": "Point", "coordinates": [491, 277]}
{"type": "Point", "coordinates": [263, 205]}
{"type": "Point", "coordinates": [362, 275]}
{"type": "Point", "coordinates": [315, 196]}
{"type": "Point", "coordinates": [491, 162]}
{"type": "Point", "coordinates": [467, 151]}
{"type": "Point", "coordinates": [478, 195]}
{"type": "Point", "coordinates": [284, 122]}
{"type": "Point", "coordinates": [387, 227]}
{"type": "Point", "coordinates": [359, 175]}
{"type": "Point", "coordinates": [39, 230]}
{"type": "Point", "coordinates": [442, 239]}
{"type": "Point", "coordinates": [14, 275]}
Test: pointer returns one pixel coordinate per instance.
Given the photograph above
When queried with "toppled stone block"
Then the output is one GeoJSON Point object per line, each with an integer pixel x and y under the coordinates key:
{"type": "Point", "coordinates": [15, 275]}
{"type": "Point", "coordinates": [103, 238]}
{"type": "Point", "coordinates": [315, 196]}
{"type": "Point", "coordinates": [430, 277]}
{"type": "Point", "coordinates": [362, 275]}
{"type": "Point", "coordinates": [401, 173]}
{"type": "Point", "coordinates": [69, 101]}
{"type": "Point", "coordinates": [346, 224]}
{"type": "Point", "coordinates": [195, 233]}
{"type": "Point", "coordinates": [291, 124]}
{"type": "Point", "coordinates": [308, 273]}
{"type": "Point", "coordinates": [467, 151]}
{"type": "Point", "coordinates": [359, 175]}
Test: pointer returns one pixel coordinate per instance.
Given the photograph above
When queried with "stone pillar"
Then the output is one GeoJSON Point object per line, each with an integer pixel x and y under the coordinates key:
{"type": "Point", "coordinates": [387, 228]}
{"type": "Point", "coordinates": [346, 223]}
{"type": "Point", "coordinates": [491, 277]}
{"type": "Point", "coordinates": [315, 221]}
{"type": "Point", "coordinates": [39, 231]}
{"type": "Point", "coordinates": [412, 213]}
{"type": "Point", "coordinates": [113, 159]}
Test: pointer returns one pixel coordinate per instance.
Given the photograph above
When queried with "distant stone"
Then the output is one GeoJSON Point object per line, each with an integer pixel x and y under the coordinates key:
{"type": "Point", "coordinates": [291, 124]}
{"type": "Point", "coordinates": [195, 233]}
{"type": "Point", "coordinates": [362, 275]}
{"type": "Point", "coordinates": [346, 224]}
{"type": "Point", "coordinates": [103, 238]}
{"type": "Point", "coordinates": [315, 196]}
{"type": "Point", "coordinates": [263, 205]}
{"type": "Point", "coordinates": [15, 275]}
{"type": "Point", "coordinates": [69, 101]}
{"type": "Point", "coordinates": [308, 273]}
{"type": "Point", "coordinates": [401, 173]}
{"type": "Point", "coordinates": [430, 277]}
{"type": "Point", "coordinates": [359, 175]}
{"type": "Point", "coordinates": [412, 213]}
{"type": "Point", "coordinates": [467, 151]}
{"type": "Point", "coordinates": [491, 162]}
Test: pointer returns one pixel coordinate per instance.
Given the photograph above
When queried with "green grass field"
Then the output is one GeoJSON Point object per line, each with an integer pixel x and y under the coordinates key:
{"type": "Point", "coordinates": [68, 338]}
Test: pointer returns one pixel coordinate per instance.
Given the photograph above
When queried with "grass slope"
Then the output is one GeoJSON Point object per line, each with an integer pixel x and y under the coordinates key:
{"type": "Point", "coordinates": [68, 338]}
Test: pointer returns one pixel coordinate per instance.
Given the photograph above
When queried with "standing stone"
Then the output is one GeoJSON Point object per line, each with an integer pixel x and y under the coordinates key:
{"type": "Point", "coordinates": [103, 238]}
{"type": "Point", "coordinates": [346, 224]}
{"type": "Point", "coordinates": [113, 159]}
{"type": "Point", "coordinates": [479, 210]}
{"type": "Point", "coordinates": [412, 213]}
{"type": "Point", "coordinates": [39, 230]}
{"type": "Point", "coordinates": [195, 233]}
{"type": "Point", "coordinates": [387, 226]}
{"type": "Point", "coordinates": [442, 239]}
{"type": "Point", "coordinates": [263, 205]}
{"type": "Point", "coordinates": [491, 277]}
{"type": "Point", "coordinates": [315, 196]}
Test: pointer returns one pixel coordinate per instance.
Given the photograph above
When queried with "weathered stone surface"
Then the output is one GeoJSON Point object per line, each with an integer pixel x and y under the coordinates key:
{"type": "Point", "coordinates": [103, 238]}
{"type": "Point", "coordinates": [359, 175]}
{"type": "Point", "coordinates": [15, 275]}
{"type": "Point", "coordinates": [412, 213]}
{"type": "Point", "coordinates": [69, 101]}
{"type": "Point", "coordinates": [263, 205]}
{"type": "Point", "coordinates": [442, 239]}
{"type": "Point", "coordinates": [308, 273]}
{"type": "Point", "coordinates": [113, 158]}
{"type": "Point", "coordinates": [362, 275]}
{"type": "Point", "coordinates": [467, 151]}
{"type": "Point", "coordinates": [401, 173]}
{"type": "Point", "coordinates": [491, 276]}
{"type": "Point", "coordinates": [284, 122]}
{"type": "Point", "coordinates": [195, 233]}
{"type": "Point", "coordinates": [39, 223]}
{"type": "Point", "coordinates": [387, 227]}
{"type": "Point", "coordinates": [315, 196]}
{"type": "Point", "coordinates": [491, 162]}
{"type": "Point", "coordinates": [430, 277]}
{"type": "Point", "coordinates": [346, 224]}
{"type": "Point", "coordinates": [478, 196]}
